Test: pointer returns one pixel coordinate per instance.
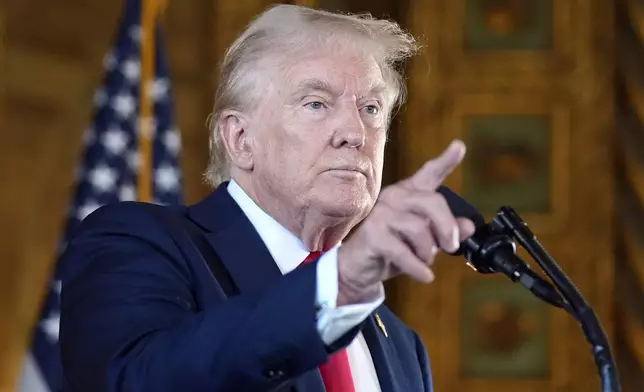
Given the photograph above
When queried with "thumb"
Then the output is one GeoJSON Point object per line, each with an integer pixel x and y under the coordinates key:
{"type": "Point", "coordinates": [434, 171]}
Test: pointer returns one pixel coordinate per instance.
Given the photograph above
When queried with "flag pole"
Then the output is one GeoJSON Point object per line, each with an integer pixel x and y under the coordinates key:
{"type": "Point", "coordinates": [146, 106]}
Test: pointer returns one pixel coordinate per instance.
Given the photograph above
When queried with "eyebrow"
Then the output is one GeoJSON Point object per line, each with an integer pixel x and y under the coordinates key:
{"type": "Point", "coordinates": [315, 84]}
{"type": "Point", "coordinates": [376, 88]}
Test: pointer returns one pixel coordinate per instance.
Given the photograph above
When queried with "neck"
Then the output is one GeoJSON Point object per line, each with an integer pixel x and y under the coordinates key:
{"type": "Point", "coordinates": [317, 232]}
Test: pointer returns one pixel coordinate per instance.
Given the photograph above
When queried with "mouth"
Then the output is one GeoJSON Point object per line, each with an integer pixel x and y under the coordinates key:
{"type": "Point", "coordinates": [348, 169]}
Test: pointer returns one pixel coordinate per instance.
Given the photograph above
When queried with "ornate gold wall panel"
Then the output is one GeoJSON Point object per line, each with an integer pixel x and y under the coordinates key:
{"type": "Point", "coordinates": [528, 86]}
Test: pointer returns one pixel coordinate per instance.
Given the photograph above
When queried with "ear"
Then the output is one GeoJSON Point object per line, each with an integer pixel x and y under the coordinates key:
{"type": "Point", "coordinates": [233, 132]}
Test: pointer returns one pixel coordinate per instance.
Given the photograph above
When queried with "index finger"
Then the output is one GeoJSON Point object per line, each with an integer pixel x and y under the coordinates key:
{"type": "Point", "coordinates": [434, 171]}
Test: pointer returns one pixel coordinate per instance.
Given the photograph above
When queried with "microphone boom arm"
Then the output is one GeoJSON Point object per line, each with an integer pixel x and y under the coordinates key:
{"type": "Point", "coordinates": [509, 222]}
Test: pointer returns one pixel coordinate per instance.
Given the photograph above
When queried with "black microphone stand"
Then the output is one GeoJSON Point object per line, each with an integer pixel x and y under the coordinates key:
{"type": "Point", "coordinates": [492, 250]}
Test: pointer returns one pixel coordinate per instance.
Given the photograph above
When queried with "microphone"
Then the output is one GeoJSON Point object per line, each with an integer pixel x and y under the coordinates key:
{"type": "Point", "coordinates": [489, 250]}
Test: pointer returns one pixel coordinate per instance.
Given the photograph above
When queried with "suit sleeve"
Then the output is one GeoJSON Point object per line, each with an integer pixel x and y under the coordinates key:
{"type": "Point", "coordinates": [129, 320]}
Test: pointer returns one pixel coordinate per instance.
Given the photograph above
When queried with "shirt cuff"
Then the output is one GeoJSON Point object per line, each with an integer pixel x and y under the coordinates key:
{"type": "Point", "coordinates": [333, 321]}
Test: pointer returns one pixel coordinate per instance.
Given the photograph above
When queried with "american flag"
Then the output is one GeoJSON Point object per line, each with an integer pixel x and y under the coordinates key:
{"type": "Point", "coordinates": [108, 171]}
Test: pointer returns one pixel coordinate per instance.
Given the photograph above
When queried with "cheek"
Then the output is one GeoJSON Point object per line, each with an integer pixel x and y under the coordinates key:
{"type": "Point", "coordinates": [284, 150]}
{"type": "Point", "coordinates": [377, 161]}
{"type": "Point", "coordinates": [378, 149]}
{"type": "Point", "coordinates": [301, 139]}
{"type": "Point", "coordinates": [270, 137]}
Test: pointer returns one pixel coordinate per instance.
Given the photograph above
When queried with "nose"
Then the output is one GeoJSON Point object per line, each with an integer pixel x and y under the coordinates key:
{"type": "Point", "coordinates": [350, 131]}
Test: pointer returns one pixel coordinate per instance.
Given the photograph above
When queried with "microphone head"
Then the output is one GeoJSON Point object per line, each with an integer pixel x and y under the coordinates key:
{"type": "Point", "coordinates": [461, 208]}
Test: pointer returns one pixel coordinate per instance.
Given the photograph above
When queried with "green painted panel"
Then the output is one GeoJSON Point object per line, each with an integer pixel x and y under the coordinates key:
{"type": "Point", "coordinates": [508, 25]}
{"type": "Point", "coordinates": [508, 162]}
{"type": "Point", "coordinates": [504, 331]}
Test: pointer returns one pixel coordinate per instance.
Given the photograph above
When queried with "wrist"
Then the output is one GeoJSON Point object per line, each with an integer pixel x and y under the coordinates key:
{"type": "Point", "coordinates": [349, 293]}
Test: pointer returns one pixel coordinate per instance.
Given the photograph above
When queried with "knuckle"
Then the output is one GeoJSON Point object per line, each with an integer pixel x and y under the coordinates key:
{"type": "Point", "coordinates": [397, 255]}
{"type": "Point", "coordinates": [418, 229]}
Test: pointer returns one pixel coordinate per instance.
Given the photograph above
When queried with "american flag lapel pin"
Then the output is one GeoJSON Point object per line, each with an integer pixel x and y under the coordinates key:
{"type": "Point", "coordinates": [381, 325]}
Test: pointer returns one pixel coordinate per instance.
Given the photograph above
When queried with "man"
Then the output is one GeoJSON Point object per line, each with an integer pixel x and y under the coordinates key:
{"type": "Point", "coordinates": [298, 135]}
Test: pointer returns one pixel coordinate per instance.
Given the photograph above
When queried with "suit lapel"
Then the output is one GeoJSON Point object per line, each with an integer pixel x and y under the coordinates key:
{"type": "Point", "coordinates": [384, 356]}
{"type": "Point", "coordinates": [248, 262]}
{"type": "Point", "coordinates": [236, 241]}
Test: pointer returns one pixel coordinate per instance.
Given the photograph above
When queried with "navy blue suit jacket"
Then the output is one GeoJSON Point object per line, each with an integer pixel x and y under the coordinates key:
{"type": "Point", "coordinates": [142, 312]}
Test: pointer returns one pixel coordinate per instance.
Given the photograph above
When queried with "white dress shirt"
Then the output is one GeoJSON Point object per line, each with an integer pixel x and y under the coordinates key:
{"type": "Point", "coordinates": [289, 252]}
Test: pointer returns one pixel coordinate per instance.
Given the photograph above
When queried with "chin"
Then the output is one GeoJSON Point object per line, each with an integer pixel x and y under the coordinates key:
{"type": "Point", "coordinates": [340, 205]}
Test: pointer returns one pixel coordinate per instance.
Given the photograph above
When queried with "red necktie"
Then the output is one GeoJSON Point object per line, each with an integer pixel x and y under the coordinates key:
{"type": "Point", "coordinates": [336, 372]}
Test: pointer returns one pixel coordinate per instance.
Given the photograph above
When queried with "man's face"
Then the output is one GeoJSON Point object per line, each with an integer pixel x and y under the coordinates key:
{"type": "Point", "coordinates": [319, 134]}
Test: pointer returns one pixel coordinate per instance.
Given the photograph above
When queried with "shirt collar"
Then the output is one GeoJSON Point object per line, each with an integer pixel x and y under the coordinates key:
{"type": "Point", "coordinates": [287, 250]}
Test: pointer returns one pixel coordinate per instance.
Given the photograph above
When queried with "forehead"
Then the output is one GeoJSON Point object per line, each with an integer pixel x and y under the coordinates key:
{"type": "Point", "coordinates": [338, 69]}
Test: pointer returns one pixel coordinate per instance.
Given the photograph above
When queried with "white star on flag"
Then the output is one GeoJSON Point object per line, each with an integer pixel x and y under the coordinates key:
{"type": "Point", "coordinates": [158, 89]}
{"type": "Point", "coordinates": [124, 105]}
{"type": "Point", "coordinates": [172, 141]}
{"type": "Point", "coordinates": [166, 177]}
{"type": "Point", "coordinates": [115, 140]}
{"type": "Point", "coordinates": [103, 178]}
{"type": "Point", "coordinates": [132, 70]}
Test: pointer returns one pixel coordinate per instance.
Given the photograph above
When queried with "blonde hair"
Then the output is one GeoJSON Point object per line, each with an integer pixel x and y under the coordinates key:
{"type": "Point", "coordinates": [287, 28]}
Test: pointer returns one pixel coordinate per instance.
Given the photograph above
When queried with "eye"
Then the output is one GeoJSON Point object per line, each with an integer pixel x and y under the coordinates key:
{"type": "Point", "coordinates": [315, 105]}
{"type": "Point", "coordinates": [372, 109]}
